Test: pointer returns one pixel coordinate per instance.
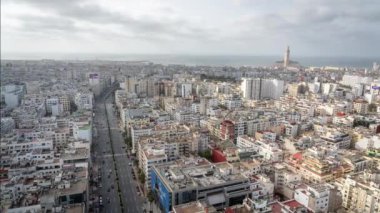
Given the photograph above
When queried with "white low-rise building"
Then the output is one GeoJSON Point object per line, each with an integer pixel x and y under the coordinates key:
{"type": "Point", "coordinates": [314, 197]}
{"type": "Point", "coordinates": [84, 100]}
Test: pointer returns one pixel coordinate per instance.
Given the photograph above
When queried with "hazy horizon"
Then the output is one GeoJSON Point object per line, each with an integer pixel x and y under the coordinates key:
{"type": "Point", "coordinates": [205, 59]}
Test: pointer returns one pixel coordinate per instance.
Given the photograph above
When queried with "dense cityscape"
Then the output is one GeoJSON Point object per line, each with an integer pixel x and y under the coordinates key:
{"type": "Point", "coordinates": [135, 136]}
{"type": "Point", "coordinates": [201, 106]}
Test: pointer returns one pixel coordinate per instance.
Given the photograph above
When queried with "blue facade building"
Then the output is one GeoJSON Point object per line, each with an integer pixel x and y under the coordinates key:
{"type": "Point", "coordinates": [217, 185]}
{"type": "Point", "coordinates": [159, 189]}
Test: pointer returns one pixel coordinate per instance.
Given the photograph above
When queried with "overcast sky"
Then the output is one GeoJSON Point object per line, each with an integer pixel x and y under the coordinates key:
{"type": "Point", "coordinates": [222, 27]}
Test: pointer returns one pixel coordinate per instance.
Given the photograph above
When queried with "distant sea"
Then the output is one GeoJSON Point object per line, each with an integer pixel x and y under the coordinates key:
{"type": "Point", "coordinates": [212, 60]}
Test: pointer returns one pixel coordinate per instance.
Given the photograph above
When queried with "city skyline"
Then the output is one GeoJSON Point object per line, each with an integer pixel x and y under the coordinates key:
{"type": "Point", "coordinates": [173, 106]}
{"type": "Point", "coordinates": [171, 27]}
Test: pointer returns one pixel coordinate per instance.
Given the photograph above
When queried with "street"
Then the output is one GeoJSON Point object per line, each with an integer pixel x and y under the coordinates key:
{"type": "Point", "coordinates": [128, 186]}
{"type": "Point", "coordinates": [111, 179]}
{"type": "Point", "coordinates": [104, 162]}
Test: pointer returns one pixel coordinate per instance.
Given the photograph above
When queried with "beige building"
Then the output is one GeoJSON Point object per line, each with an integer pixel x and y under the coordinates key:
{"type": "Point", "coordinates": [361, 192]}
{"type": "Point", "coordinates": [65, 101]}
{"type": "Point", "coordinates": [361, 106]}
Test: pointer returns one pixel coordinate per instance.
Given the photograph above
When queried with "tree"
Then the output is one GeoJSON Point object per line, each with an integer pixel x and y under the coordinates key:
{"type": "Point", "coordinates": [73, 107]}
{"type": "Point", "coordinates": [222, 107]}
{"type": "Point", "coordinates": [150, 196]}
{"type": "Point", "coordinates": [142, 177]}
{"type": "Point", "coordinates": [372, 107]}
{"type": "Point", "coordinates": [206, 154]}
{"type": "Point", "coordinates": [150, 199]}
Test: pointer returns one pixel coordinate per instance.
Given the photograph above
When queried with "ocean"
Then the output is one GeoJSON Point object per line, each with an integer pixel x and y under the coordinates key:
{"type": "Point", "coordinates": [211, 60]}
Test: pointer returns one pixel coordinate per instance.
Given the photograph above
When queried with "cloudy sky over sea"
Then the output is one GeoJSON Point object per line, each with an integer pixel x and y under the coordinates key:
{"type": "Point", "coordinates": [214, 27]}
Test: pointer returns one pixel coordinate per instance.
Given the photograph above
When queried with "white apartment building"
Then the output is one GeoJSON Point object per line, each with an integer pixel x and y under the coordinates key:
{"type": "Point", "coordinates": [195, 107]}
{"type": "Point", "coordinates": [251, 88]}
{"type": "Point", "coordinates": [184, 116]}
{"type": "Point", "coordinates": [368, 142]}
{"type": "Point", "coordinates": [154, 151]}
{"type": "Point", "coordinates": [266, 135]}
{"type": "Point", "coordinates": [186, 90]}
{"type": "Point", "coordinates": [291, 129]}
{"type": "Point", "coordinates": [285, 179]}
{"type": "Point", "coordinates": [272, 88]}
{"type": "Point", "coordinates": [270, 151]}
{"type": "Point", "coordinates": [53, 106]}
{"type": "Point", "coordinates": [84, 100]}
{"type": "Point", "coordinates": [314, 197]}
{"type": "Point", "coordinates": [245, 141]}
{"type": "Point", "coordinates": [138, 131]}
{"type": "Point", "coordinates": [150, 157]}
{"type": "Point", "coordinates": [15, 147]}
{"type": "Point", "coordinates": [12, 94]}
{"type": "Point", "coordinates": [49, 167]}
{"type": "Point", "coordinates": [338, 139]}
{"type": "Point", "coordinates": [231, 101]}
{"type": "Point", "coordinates": [260, 124]}
{"type": "Point", "coordinates": [361, 192]}
{"type": "Point", "coordinates": [351, 80]}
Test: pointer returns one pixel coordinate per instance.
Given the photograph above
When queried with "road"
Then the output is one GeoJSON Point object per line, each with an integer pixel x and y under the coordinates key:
{"type": "Point", "coordinates": [133, 202]}
{"type": "Point", "coordinates": [104, 159]}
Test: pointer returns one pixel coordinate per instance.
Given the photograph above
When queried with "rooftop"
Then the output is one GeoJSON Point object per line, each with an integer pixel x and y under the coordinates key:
{"type": "Point", "coordinates": [77, 187]}
{"type": "Point", "coordinates": [205, 175]}
{"type": "Point", "coordinates": [193, 207]}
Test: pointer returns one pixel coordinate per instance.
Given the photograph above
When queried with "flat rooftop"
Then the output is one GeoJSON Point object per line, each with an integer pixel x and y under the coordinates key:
{"type": "Point", "coordinates": [193, 207]}
{"type": "Point", "coordinates": [204, 175]}
{"type": "Point", "coordinates": [78, 153]}
{"type": "Point", "coordinates": [75, 188]}
{"type": "Point", "coordinates": [78, 208]}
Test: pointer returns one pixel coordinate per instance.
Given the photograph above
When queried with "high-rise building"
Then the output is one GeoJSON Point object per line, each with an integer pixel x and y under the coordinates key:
{"type": "Point", "coordinates": [257, 88]}
{"type": "Point", "coordinates": [271, 88]}
{"type": "Point", "coordinates": [352, 80]}
{"type": "Point", "coordinates": [286, 57]}
{"type": "Point", "coordinates": [186, 90]}
{"type": "Point", "coordinates": [131, 85]}
{"type": "Point", "coordinates": [12, 94]}
{"type": "Point", "coordinates": [251, 88]}
{"type": "Point", "coordinates": [141, 87]}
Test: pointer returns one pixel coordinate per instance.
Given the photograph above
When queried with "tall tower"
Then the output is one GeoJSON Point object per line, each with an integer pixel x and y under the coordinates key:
{"type": "Point", "coordinates": [286, 57]}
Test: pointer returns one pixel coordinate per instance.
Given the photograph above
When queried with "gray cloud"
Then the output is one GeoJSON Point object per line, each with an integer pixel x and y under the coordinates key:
{"type": "Point", "coordinates": [69, 10]}
{"type": "Point", "coordinates": [40, 23]}
{"type": "Point", "coordinates": [313, 27]}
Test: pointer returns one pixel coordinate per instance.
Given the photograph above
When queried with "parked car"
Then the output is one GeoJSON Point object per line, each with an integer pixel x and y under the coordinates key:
{"type": "Point", "coordinates": [100, 200]}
